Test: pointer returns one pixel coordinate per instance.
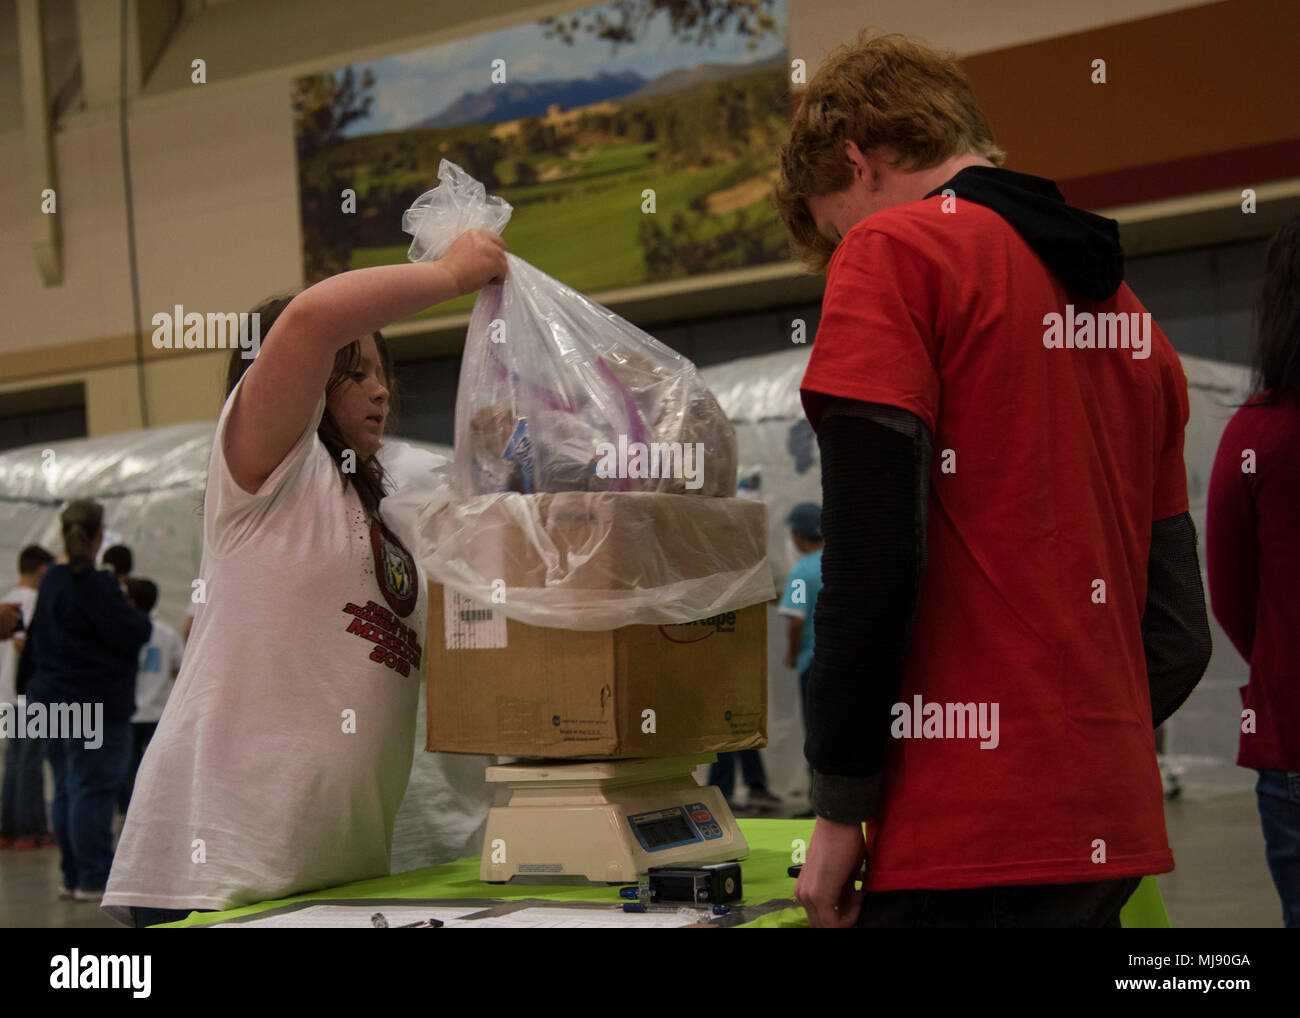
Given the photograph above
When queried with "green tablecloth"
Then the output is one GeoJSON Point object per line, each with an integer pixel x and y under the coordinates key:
{"type": "Point", "coordinates": [771, 843]}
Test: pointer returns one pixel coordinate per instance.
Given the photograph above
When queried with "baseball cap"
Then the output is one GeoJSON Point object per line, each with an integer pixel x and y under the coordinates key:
{"type": "Point", "coordinates": [806, 519]}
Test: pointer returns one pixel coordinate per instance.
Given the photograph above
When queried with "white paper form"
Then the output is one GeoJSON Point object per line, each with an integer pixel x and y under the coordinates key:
{"type": "Point", "coordinates": [342, 917]}
{"type": "Point", "coordinates": [540, 917]}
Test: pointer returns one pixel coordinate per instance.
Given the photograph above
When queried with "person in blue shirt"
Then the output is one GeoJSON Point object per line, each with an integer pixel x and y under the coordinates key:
{"type": "Point", "coordinates": [800, 598]}
{"type": "Point", "coordinates": [84, 643]}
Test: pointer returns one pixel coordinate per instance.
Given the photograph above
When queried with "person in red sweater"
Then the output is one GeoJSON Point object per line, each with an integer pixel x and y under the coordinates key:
{"type": "Point", "coordinates": [1011, 596]}
{"type": "Point", "coordinates": [1253, 559]}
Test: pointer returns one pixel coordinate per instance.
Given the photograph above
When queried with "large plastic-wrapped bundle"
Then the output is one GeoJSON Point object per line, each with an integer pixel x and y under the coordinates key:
{"type": "Point", "coordinates": [560, 396]}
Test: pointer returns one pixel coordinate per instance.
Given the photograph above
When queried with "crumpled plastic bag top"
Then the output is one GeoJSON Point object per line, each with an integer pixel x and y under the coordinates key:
{"type": "Point", "coordinates": [458, 204]}
{"type": "Point", "coordinates": [558, 395]}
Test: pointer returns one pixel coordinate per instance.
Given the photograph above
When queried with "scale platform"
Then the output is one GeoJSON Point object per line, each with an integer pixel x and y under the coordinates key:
{"type": "Point", "coordinates": [606, 820]}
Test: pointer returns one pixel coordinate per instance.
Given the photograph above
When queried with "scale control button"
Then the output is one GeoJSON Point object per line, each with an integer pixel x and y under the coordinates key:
{"type": "Point", "coordinates": [701, 815]}
{"type": "Point", "coordinates": [717, 831]}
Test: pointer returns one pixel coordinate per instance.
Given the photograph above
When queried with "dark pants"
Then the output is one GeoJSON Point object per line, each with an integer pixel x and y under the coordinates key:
{"type": "Point", "coordinates": [1041, 906]}
{"type": "Point", "coordinates": [723, 772]}
{"type": "Point", "coordinates": [142, 917]}
{"type": "Point", "coordinates": [1278, 793]}
{"type": "Point", "coordinates": [141, 733]}
{"type": "Point", "coordinates": [86, 782]}
{"type": "Point", "coordinates": [803, 702]}
{"type": "Point", "coordinates": [22, 802]}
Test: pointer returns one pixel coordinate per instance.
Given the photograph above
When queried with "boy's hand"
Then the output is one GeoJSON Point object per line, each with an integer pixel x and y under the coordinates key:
{"type": "Point", "coordinates": [825, 888]}
{"type": "Point", "coordinates": [476, 258]}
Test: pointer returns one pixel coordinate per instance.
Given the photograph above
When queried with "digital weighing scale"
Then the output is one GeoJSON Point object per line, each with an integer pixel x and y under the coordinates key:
{"type": "Point", "coordinates": [606, 820]}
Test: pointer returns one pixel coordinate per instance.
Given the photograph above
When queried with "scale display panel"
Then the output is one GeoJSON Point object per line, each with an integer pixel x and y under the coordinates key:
{"type": "Point", "coordinates": [674, 826]}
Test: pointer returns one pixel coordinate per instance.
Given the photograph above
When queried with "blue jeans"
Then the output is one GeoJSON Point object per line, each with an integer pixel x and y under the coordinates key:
{"type": "Point", "coordinates": [723, 772]}
{"type": "Point", "coordinates": [142, 733]}
{"type": "Point", "coordinates": [1279, 813]}
{"type": "Point", "coordinates": [22, 803]}
{"type": "Point", "coordinates": [803, 702]}
{"type": "Point", "coordinates": [85, 792]}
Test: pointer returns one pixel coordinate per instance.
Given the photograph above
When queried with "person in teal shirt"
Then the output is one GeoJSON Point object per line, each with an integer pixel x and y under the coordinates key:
{"type": "Point", "coordinates": [800, 598]}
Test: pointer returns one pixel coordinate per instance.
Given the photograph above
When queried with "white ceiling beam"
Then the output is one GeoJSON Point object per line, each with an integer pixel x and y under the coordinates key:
{"type": "Point", "coordinates": [38, 138]}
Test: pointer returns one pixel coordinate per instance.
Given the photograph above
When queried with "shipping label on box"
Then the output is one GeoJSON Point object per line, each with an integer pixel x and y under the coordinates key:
{"type": "Point", "coordinates": [470, 624]}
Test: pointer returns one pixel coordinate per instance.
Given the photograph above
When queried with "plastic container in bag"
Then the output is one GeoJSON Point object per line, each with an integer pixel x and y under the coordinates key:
{"type": "Point", "coordinates": [559, 395]}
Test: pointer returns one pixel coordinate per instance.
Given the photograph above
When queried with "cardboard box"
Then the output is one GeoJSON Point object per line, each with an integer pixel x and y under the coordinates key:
{"type": "Point", "coordinates": [500, 687]}
{"type": "Point", "coordinates": [578, 545]}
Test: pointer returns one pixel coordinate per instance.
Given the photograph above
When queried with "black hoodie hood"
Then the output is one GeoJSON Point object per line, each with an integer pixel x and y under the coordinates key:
{"type": "Point", "coordinates": [1080, 248]}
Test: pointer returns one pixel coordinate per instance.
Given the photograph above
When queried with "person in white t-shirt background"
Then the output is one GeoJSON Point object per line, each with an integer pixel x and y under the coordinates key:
{"type": "Point", "coordinates": [284, 750]}
{"type": "Point", "coordinates": [23, 820]}
{"type": "Point", "coordinates": [160, 663]}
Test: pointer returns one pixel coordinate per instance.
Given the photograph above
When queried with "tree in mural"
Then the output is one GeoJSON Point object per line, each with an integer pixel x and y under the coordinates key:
{"type": "Point", "coordinates": [325, 104]}
{"type": "Point", "coordinates": [693, 21]}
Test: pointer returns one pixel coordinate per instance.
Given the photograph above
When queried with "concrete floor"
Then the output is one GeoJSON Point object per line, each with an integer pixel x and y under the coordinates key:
{"type": "Point", "coordinates": [1221, 880]}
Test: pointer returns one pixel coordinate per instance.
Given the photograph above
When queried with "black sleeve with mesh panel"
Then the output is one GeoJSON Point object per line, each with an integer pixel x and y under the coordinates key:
{"type": "Point", "coordinates": [875, 488]}
{"type": "Point", "coordinates": [1175, 626]}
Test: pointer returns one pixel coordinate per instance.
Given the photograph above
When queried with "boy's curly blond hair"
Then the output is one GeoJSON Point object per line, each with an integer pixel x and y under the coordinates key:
{"type": "Point", "coordinates": [882, 91]}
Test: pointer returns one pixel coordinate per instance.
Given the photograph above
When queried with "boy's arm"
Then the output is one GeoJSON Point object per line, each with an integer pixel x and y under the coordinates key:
{"type": "Point", "coordinates": [875, 487]}
{"type": "Point", "coordinates": [1175, 627]}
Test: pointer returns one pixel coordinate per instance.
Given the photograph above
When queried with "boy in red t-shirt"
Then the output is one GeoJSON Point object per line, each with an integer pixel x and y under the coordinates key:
{"type": "Point", "coordinates": [1008, 548]}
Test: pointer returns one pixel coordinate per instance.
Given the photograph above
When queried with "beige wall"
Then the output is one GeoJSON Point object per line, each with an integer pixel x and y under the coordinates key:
{"type": "Point", "coordinates": [216, 220]}
{"type": "Point", "coordinates": [964, 27]}
{"type": "Point", "coordinates": [216, 213]}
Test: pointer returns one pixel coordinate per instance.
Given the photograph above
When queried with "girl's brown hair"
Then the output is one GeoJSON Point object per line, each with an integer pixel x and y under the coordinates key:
{"type": "Point", "coordinates": [368, 478]}
{"type": "Point", "coordinates": [882, 91]}
{"type": "Point", "coordinates": [81, 521]}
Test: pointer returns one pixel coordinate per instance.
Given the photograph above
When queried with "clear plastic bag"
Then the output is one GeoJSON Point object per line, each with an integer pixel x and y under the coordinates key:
{"type": "Point", "coordinates": [458, 203]}
{"type": "Point", "coordinates": [599, 560]}
{"type": "Point", "coordinates": [559, 395]}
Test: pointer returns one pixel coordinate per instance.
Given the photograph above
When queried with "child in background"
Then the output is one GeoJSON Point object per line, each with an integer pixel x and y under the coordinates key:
{"type": "Point", "coordinates": [800, 598]}
{"type": "Point", "coordinates": [22, 803]}
{"type": "Point", "coordinates": [160, 663]}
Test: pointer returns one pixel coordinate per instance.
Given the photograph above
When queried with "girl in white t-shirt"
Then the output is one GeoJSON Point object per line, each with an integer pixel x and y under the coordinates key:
{"type": "Point", "coordinates": [283, 753]}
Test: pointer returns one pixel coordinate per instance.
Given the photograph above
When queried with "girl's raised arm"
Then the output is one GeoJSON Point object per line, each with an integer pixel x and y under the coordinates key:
{"type": "Point", "coordinates": [281, 387]}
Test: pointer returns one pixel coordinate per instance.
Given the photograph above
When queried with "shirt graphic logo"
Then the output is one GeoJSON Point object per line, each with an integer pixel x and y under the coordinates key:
{"type": "Point", "coordinates": [394, 569]}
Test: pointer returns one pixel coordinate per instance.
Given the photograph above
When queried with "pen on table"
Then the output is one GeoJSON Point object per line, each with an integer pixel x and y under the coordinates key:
{"type": "Point", "coordinates": [794, 871]}
{"type": "Point", "coordinates": [717, 910]}
{"type": "Point", "coordinates": [380, 922]}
